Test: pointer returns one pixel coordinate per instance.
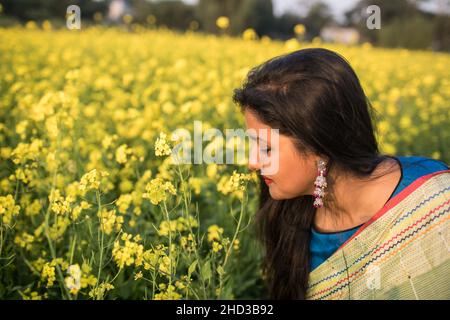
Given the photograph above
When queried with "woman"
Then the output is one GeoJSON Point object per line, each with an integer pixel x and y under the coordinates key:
{"type": "Point", "coordinates": [338, 219]}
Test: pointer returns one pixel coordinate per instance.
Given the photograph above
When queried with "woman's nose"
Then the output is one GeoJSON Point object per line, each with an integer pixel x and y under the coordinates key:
{"type": "Point", "coordinates": [254, 160]}
{"type": "Point", "coordinates": [254, 166]}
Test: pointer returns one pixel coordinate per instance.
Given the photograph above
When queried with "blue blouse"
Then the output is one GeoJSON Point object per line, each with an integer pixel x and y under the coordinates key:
{"type": "Point", "coordinates": [323, 245]}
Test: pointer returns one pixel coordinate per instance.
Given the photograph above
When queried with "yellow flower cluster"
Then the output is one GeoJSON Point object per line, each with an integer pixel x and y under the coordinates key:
{"type": "Point", "coordinates": [236, 184]}
{"type": "Point", "coordinates": [109, 221]}
{"type": "Point", "coordinates": [122, 153]}
{"type": "Point", "coordinates": [87, 279]}
{"type": "Point", "coordinates": [48, 271]}
{"type": "Point", "coordinates": [167, 293]}
{"type": "Point", "coordinates": [299, 29]}
{"type": "Point", "coordinates": [128, 252]}
{"type": "Point", "coordinates": [214, 232]}
{"type": "Point", "coordinates": [99, 292]}
{"type": "Point", "coordinates": [157, 190]}
{"type": "Point", "coordinates": [60, 205]}
{"type": "Point", "coordinates": [91, 180]}
{"type": "Point", "coordinates": [138, 276]}
{"type": "Point", "coordinates": [57, 229]}
{"type": "Point", "coordinates": [123, 202]}
{"type": "Point", "coordinates": [151, 257]}
{"type": "Point", "coordinates": [249, 34]}
{"type": "Point", "coordinates": [223, 22]}
{"type": "Point", "coordinates": [165, 265]}
{"type": "Point", "coordinates": [188, 243]}
{"type": "Point", "coordinates": [24, 240]}
{"type": "Point", "coordinates": [27, 151]}
{"type": "Point", "coordinates": [196, 184]}
{"type": "Point", "coordinates": [33, 208]}
{"type": "Point", "coordinates": [217, 241]}
{"type": "Point", "coordinates": [162, 147]}
{"type": "Point", "coordinates": [25, 174]}
{"type": "Point", "coordinates": [179, 225]}
{"type": "Point", "coordinates": [216, 246]}
{"type": "Point", "coordinates": [77, 210]}
{"type": "Point", "coordinates": [131, 252]}
{"type": "Point", "coordinates": [8, 209]}
{"type": "Point", "coordinates": [27, 294]}
{"type": "Point", "coordinates": [238, 180]}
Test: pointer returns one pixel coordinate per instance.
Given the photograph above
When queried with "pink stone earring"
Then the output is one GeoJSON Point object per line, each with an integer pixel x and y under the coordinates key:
{"type": "Point", "coordinates": [320, 184]}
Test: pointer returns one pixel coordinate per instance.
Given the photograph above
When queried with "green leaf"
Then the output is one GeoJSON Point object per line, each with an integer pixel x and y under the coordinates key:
{"type": "Point", "coordinates": [206, 270]}
{"type": "Point", "coordinates": [192, 267]}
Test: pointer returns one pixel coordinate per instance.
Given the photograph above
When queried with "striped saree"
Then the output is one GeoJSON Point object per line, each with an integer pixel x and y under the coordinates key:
{"type": "Point", "coordinates": [402, 252]}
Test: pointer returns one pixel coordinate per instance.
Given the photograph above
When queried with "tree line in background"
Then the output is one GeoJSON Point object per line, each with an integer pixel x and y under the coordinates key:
{"type": "Point", "coordinates": [403, 23]}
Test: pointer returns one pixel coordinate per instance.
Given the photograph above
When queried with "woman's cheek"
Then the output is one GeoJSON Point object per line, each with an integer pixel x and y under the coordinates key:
{"type": "Point", "coordinates": [282, 187]}
{"type": "Point", "coordinates": [293, 183]}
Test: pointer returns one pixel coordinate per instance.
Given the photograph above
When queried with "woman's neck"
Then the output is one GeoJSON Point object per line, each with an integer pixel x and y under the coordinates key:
{"type": "Point", "coordinates": [356, 200]}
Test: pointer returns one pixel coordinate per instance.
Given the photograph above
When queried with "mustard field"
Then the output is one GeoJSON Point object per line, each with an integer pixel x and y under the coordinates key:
{"type": "Point", "coordinates": [91, 204]}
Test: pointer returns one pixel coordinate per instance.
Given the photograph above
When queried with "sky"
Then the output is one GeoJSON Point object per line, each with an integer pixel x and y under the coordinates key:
{"type": "Point", "coordinates": [338, 7]}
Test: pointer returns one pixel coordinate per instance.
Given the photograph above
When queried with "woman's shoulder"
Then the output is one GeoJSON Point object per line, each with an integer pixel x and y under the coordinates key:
{"type": "Point", "coordinates": [415, 167]}
{"type": "Point", "coordinates": [420, 165]}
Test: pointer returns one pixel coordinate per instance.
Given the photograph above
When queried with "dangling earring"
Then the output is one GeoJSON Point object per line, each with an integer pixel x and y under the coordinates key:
{"type": "Point", "coordinates": [320, 183]}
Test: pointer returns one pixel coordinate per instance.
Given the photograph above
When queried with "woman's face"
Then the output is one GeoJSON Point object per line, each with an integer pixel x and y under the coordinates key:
{"type": "Point", "coordinates": [296, 172]}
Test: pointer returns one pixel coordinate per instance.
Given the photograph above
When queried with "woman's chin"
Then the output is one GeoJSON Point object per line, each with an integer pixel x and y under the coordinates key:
{"type": "Point", "coordinates": [276, 194]}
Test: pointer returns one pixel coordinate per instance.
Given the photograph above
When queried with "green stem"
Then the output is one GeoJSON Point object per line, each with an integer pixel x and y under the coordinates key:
{"type": "Point", "coordinates": [17, 190]}
{"type": "Point", "coordinates": [117, 274]}
{"type": "Point", "coordinates": [154, 283]}
{"type": "Point", "coordinates": [101, 238]}
{"type": "Point", "coordinates": [230, 246]}
{"type": "Point", "coordinates": [170, 241]}
{"type": "Point", "coordinates": [47, 235]}
{"type": "Point", "coordinates": [238, 227]}
{"type": "Point", "coordinates": [186, 206]}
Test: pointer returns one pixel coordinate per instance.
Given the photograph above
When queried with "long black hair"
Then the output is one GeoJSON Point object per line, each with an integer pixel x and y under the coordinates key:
{"type": "Point", "coordinates": [314, 96]}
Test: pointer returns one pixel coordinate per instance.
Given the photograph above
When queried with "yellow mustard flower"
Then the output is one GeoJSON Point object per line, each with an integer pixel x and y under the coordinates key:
{"type": "Point", "coordinates": [214, 232]}
{"type": "Point", "coordinates": [223, 22]}
{"type": "Point", "coordinates": [162, 147]}
{"type": "Point", "coordinates": [157, 190]}
{"type": "Point", "coordinates": [8, 209]}
{"type": "Point", "coordinates": [91, 180]}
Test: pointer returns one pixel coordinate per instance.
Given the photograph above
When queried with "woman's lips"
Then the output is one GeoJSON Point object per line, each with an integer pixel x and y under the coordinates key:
{"type": "Point", "coordinates": [267, 180]}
